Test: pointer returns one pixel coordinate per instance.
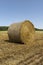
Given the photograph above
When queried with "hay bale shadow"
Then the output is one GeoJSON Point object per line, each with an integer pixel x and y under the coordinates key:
{"type": "Point", "coordinates": [13, 42]}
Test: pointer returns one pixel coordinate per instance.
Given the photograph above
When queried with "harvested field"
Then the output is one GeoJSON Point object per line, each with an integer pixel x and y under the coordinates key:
{"type": "Point", "coordinates": [21, 54]}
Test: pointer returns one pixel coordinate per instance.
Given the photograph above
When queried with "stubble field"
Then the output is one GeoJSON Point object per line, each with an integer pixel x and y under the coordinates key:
{"type": "Point", "coordinates": [21, 54]}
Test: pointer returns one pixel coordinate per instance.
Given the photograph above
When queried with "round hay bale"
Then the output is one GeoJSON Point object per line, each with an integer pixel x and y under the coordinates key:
{"type": "Point", "coordinates": [21, 32]}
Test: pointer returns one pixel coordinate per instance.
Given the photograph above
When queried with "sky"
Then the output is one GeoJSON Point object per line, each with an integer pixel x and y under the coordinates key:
{"type": "Point", "coordinates": [12, 11]}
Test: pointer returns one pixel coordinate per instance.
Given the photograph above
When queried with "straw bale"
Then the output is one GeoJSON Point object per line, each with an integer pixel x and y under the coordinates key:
{"type": "Point", "coordinates": [21, 32]}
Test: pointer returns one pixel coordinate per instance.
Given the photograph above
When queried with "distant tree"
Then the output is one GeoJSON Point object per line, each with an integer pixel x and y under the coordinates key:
{"type": "Point", "coordinates": [3, 28]}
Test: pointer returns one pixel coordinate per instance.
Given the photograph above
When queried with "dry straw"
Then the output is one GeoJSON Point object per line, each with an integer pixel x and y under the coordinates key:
{"type": "Point", "coordinates": [21, 32]}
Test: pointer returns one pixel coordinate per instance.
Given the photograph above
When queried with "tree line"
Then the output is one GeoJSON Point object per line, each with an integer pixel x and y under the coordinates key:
{"type": "Point", "coordinates": [3, 28]}
{"type": "Point", "coordinates": [38, 29]}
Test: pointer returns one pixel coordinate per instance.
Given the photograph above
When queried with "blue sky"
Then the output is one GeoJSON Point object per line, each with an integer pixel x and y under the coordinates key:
{"type": "Point", "coordinates": [12, 11]}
